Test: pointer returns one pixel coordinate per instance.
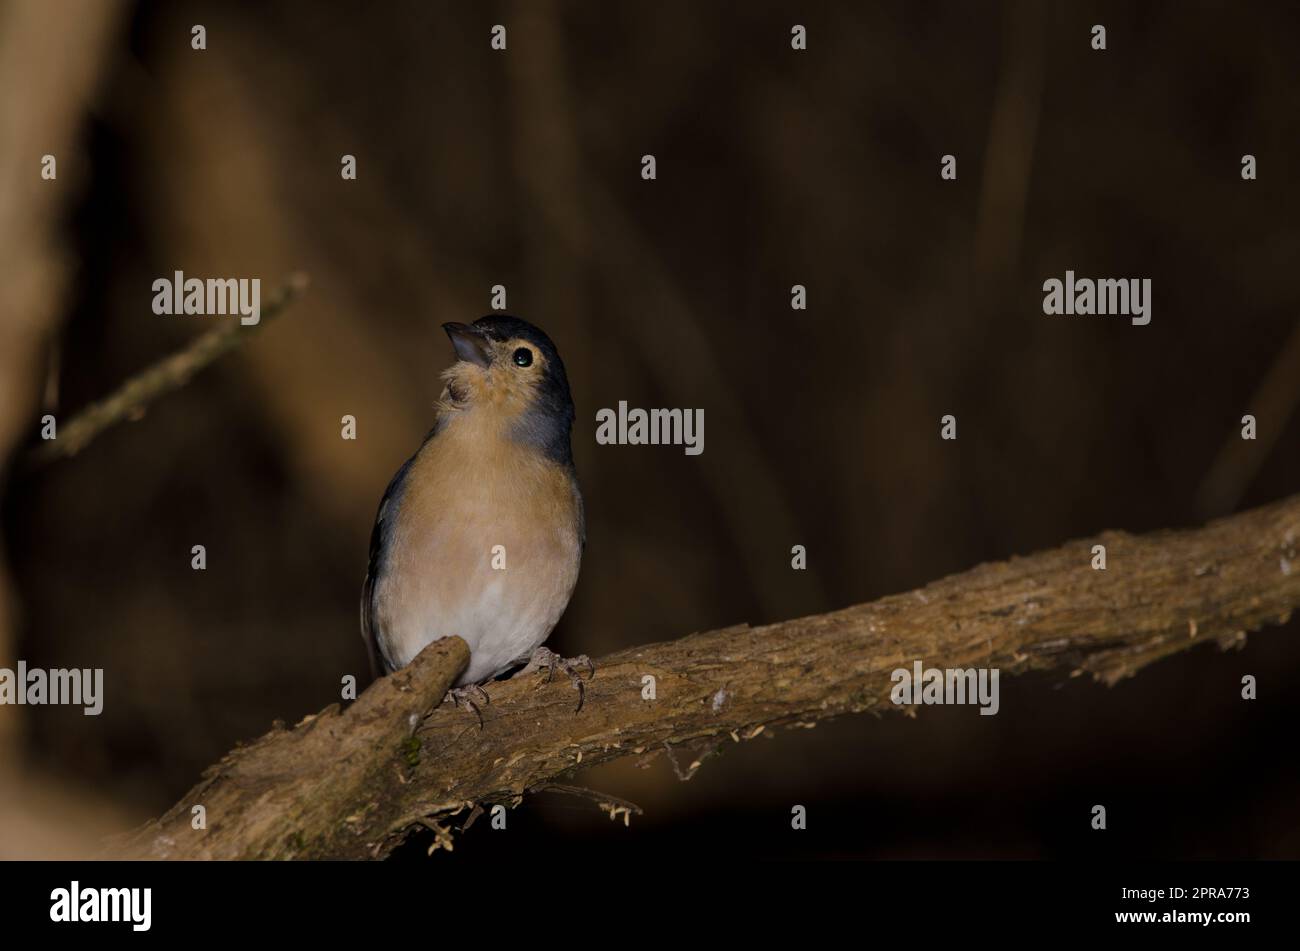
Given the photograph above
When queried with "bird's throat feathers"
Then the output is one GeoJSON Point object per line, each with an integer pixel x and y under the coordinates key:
{"type": "Point", "coordinates": [488, 410]}
{"type": "Point", "coordinates": [492, 396]}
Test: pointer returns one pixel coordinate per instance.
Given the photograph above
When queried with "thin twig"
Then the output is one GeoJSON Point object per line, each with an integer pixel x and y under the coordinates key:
{"type": "Point", "coordinates": [165, 376]}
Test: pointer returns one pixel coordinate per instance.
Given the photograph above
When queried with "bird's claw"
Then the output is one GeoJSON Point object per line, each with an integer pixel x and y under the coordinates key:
{"type": "Point", "coordinates": [464, 698]}
{"type": "Point", "coordinates": [545, 657]}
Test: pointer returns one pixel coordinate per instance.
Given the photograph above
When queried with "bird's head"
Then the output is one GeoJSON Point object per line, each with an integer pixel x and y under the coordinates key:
{"type": "Point", "coordinates": [508, 371]}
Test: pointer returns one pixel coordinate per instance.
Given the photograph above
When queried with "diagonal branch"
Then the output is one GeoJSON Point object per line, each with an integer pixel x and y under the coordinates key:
{"type": "Point", "coordinates": [168, 374]}
{"type": "Point", "coordinates": [351, 784]}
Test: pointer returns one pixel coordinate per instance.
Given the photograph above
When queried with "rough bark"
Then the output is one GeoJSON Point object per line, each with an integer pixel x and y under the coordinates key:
{"type": "Point", "coordinates": [351, 784]}
{"type": "Point", "coordinates": [293, 790]}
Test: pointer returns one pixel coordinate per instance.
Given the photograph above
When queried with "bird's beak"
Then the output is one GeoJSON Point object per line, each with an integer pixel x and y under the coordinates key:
{"type": "Point", "coordinates": [470, 344]}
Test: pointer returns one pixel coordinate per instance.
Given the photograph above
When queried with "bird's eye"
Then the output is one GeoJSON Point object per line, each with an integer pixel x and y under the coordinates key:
{"type": "Point", "coordinates": [523, 357]}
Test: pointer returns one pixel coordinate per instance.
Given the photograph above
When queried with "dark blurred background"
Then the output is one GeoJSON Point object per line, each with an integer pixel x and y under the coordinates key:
{"type": "Point", "coordinates": [775, 168]}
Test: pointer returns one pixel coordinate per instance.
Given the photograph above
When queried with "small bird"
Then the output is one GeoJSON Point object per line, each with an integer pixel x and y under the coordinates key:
{"type": "Point", "coordinates": [481, 532]}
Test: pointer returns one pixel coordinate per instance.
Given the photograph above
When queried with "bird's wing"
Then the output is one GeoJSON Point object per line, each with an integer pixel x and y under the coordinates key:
{"type": "Point", "coordinates": [581, 513]}
{"type": "Point", "coordinates": [378, 545]}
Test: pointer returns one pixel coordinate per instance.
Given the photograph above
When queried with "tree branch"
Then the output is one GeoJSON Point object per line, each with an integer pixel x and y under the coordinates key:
{"type": "Point", "coordinates": [351, 784]}
{"type": "Point", "coordinates": [169, 374]}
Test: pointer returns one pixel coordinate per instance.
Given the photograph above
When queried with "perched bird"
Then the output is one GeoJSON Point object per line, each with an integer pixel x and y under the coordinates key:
{"type": "Point", "coordinates": [480, 533]}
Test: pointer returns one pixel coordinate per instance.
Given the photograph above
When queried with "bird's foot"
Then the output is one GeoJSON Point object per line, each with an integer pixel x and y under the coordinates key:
{"type": "Point", "coordinates": [464, 698]}
{"type": "Point", "coordinates": [545, 657]}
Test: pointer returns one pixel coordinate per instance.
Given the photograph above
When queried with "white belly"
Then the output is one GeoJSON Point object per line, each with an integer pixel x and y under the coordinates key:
{"type": "Point", "coordinates": [503, 615]}
{"type": "Point", "coordinates": [442, 576]}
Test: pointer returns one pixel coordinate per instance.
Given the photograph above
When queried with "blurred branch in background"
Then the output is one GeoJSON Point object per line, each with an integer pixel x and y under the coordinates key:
{"type": "Point", "coordinates": [50, 67]}
{"type": "Point", "coordinates": [669, 334]}
{"type": "Point", "coordinates": [353, 783]}
{"type": "Point", "coordinates": [167, 375]}
{"type": "Point", "coordinates": [1240, 460]}
{"type": "Point", "coordinates": [50, 64]}
{"type": "Point", "coordinates": [1008, 159]}
{"type": "Point", "coordinates": [549, 168]}
{"type": "Point", "coordinates": [572, 204]}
